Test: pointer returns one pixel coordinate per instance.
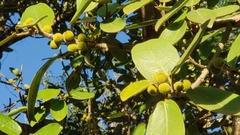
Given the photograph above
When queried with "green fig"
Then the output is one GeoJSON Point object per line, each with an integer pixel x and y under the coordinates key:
{"type": "Point", "coordinates": [160, 77]}
{"type": "Point", "coordinates": [82, 37]}
{"type": "Point", "coordinates": [218, 62]}
{"type": "Point", "coordinates": [81, 46]}
{"type": "Point", "coordinates": [152, 90]}
{"type": "Point", "coordinates": [58, 37]}
{"type": "Point", "coordinates": [47, 28]}
{"type": "Point", "coordinates": [68, 35]}
{"type": "Point", "coordinates": [178, 86]}
{"type": "Point", "coordinates": [186, 84]}
{"type": "Point", "coordinates": [164, 88]}
{"type": "Point", "coordinates": [54, 45]}
{"type": "Point", "coordinates": [72, 48]}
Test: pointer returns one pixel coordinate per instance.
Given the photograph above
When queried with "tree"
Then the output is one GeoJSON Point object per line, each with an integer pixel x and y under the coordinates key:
{"type": "Point", "coordinates": [178, 74]}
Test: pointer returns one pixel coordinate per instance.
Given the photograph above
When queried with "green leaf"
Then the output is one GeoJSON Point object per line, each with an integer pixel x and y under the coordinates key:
{"type": "Point", "coordinates": [212, 3]}
{"type": "Point", "coordinates": [39, 115]}
{"type": "Point", "coordinates": [191, 47]}
{"type": "Point", "coordinates": [166, 119]}
{"type": "Point", "coordinates": [216, 100]}
{"type": "Point", "coordinates": [9, 126]}
{"type": "Point", "coordinates": [116, 115]}
{"type": "Point", "coordinates": [234, 52]}
{"type": "Point", "coordinates": [113, 25]}
{"type": "Point", "coordinates": [139, 129]}
{"type": "Point", "coordinates": [90, 7]}
{"type": "Point", "coordinates": [120, 55]}
{"type": "Point", "coordinates": [50, 129]}
{"type": "Point", "coordinates": [133, 89]}
{"type": "Point", "coordinates": [141, 24]}
{"type": "Point", "coordinates": [47, 94]}
{"type": "Point", "coordinates": [81, 6]}
{"type": "Point", "coordinates": [33, 90]}
{"type": "Point", "coordinates": [76, 94]}
{"type": "Point", "coordinates": [191, 3]}
{"type": "Point", "coordinates": [17, 110]}
{"type": "Point", "coordinates": [176, 31]}
{"type": "Point", "coordinates": [111, 8]}
{"type": "Point", "coordinates": [176, 7]}
{"type": "Point", "coordinates": [73, 79]}
{"type": "Point", "coordinates": [36, 12]}
{"type": "Point", "coordinates": [58, 109]}
{"type": "Point", "coordinates": [202, 15]}
{"type": "Point", "coordinates": [226, 10]}
{"type": "Point", "coordinates": [155, 55]}
{"type": "Point", "coordinates": [134, 6]}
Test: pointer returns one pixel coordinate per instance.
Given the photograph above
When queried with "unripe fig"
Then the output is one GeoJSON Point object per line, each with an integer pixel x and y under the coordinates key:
{"type": "Point", "coordinates": [47, 28]}
{"type": "Point", "coordinates": [178, 86]}
{"type": "Point", "coordinates": [81, 46]}
{"type": "Point", "coordinates": [54, 45]}
{"type": "Point", "coordinates": [160, 77]}
{"type": "Point", "coordinates": [81, 37]}
{"type": "Point", "coordinates": [218, 62]}
{"type": "Point", "coordinates": [58, 37]}
{"type": "Point", "coordinates": [186, 84]}
{"type": "Point", "coordinates": [68, 35]}
{"type": "Point", "coordinates": [164, 88]}
{"type": "Point", "coordinates": [28, 21]}
{"type": "Point", "coordinates": [152, 90]}
{"type": "Point", "coordinates": [72, 48]}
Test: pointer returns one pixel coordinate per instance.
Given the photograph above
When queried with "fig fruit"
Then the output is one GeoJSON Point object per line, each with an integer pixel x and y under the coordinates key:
{"type": "Point", "coordinates": [47, 28]}
{"type": "Point", "coordinates": [218, 62]}
{"type": "Point", "coordinates": [54, 45]}
{"type": "Point", "coordinates": [186, 84]}
{"type": "Point", "coordinates": [81, 37]}
{"type": "Point", "coordinates": [58, 37]}
{"type": "Point", "coordinates": [178, 86]}
{"type": "Point", "coordinates": [72, 48]}
{"type": "Point", "coordinates": [164, 88]}
{"type": "Point", "coordinates": [152, 90]}
{"type": "Point", "coordinates": [160, 77]}
{"type": "Point", "coordinates": [81, 46]}
{"type": "Point", "coordinates": [68, 35]}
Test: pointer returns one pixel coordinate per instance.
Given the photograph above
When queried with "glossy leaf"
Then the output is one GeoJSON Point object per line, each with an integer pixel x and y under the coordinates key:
{"type": "Point", "coordinates": [202, 15]}
{"type": "Point", "coordinates": [76, 94]}
{"type": "Point", "coordinates": [113, 25]}
{"type": "Point", "coordinates": [166, 119]}
{"type": "Point", "coordinates": [9, 126]}
{"type": "Point", "coordinates": [139, 129]}
{"type": "Point", "coordinates": [50, 129]}
{"type": "Point", "coordinates": [226, 10]}
{"type": "Point", "coordinates": [176, 7]}
{"type": "Point", "coordinates": [111, 8]}
{"type": "Point", "coordinates": [176, 31]}
{"type": "Point", "coordinates": [133, 89]}
{"type": "Point", "coordinates": [39, 115]}
{"type": "Point", "coordinates": [36, 12]}
{"type": "Point", "coordinates": [234, 52]}
{"type": "Point", "coordinates": [47, 94]}
{"type": "Point", "coordinates": [141, 24]}
{"type": "Point", "coordinates": [116, 115]}
{"type": "Point", "coordinates": [155, 55]}
{"type": "Point", "coordinates": [134, 6]}
{"type": "Point", "coordinates": [58, 109]}
{"type": "Point", "coordinates": [81, 6]}
{"type": "Point", "coordinates": [225, 102]}
{"type": "Point", "coordinates": [192, 3]}
{"type": "Point", "coordinates": [17, 110]}
{"type": "Point", "coordinates": [90, 7]}
{"type": "Point", "coordinates": [33, 90]}
{"type": "Point", "coordinates": [191, 47]}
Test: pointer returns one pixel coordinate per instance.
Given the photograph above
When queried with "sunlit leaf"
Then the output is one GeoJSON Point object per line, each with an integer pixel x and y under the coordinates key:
{"type": "Point", "coordinates": [234, 52]}
{"type": "Point", "coordinates": [133, 89]}
{"type": "Point", "coordinates": [50, 129]}
{"type": "Point", "coordinates": [155, 55]}
{"type": "Point", "coordinates": [33, 90]}
{"type": "Point", "coordinates": [192, 3]}
{"type": "Point", "coordinates": [111, 8]}
{"type": "Point", "coordinates": [225, 102]}
{"type": "Point", "coordinates": [17, 110]}
{"type": "Point", "coordinates": [90, 7]}
{"type": "Point", "coordinates": [39, 116]}
{"type": "Point", "coordinates": [76, 94]}
{"type": "Point", "coordinates": [58, 109]}
{"type": "Point", "coordinates": [166, 119]}
{"type": "Point", "coordinates": [47, 94]}
{"type": "Point", "coordinates": [141, 24]}
{"type": "Point", "coordinates": [134, 6]}
{"type": "Point", "coordinates": [116, 115]}
{"type": "Point", "coordinates": [36, 12]}
{"type": "Point", "coordinates": [113, 25]}
{"type": "Point", "coordinates": [222, 11]}
{"type": "Point", "coordinates": [139, 129]}
{"type": "Point", "coordinates": [9, 126]}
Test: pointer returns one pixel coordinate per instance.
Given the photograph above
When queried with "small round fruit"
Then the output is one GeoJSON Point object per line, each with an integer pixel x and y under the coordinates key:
{"type": "Point", "coordinates": [186, 84]}
{"type": "Point", "coordinates": [54, 45]}
{"type": "Point", "coordinates": [28, 21]}
{"type": "Point", "coordinates": [152, 90]}
{"type": "Point", "coordinates": [160, 77]}
{"type": "Point", "coordinates": [68, 35]}
{"type": "Point", "coordinates": [218, 62]}
{"type": "Point", "coordinates": [58, 37]}
{"type": "Point", "coordinates": [164, 88]}
{"type": "Point", "coordinates": [81, 37]}
{"type": "Point", "coordinates": [72, 48]}
{"type": "Point", "coordinates": [47, 28]}
{"type": "Point", "coordinates": [81, 46]}
{"type": "Point", "coordinates": [178, 86]}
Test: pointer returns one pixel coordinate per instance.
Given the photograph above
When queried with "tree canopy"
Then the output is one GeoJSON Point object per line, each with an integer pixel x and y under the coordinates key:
{"type": "Point", "coordinates": [177, 74]}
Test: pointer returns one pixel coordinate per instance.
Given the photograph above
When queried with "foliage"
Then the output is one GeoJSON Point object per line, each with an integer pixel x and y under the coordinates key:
{"type": "Point", "coordinates": [179, 40]}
